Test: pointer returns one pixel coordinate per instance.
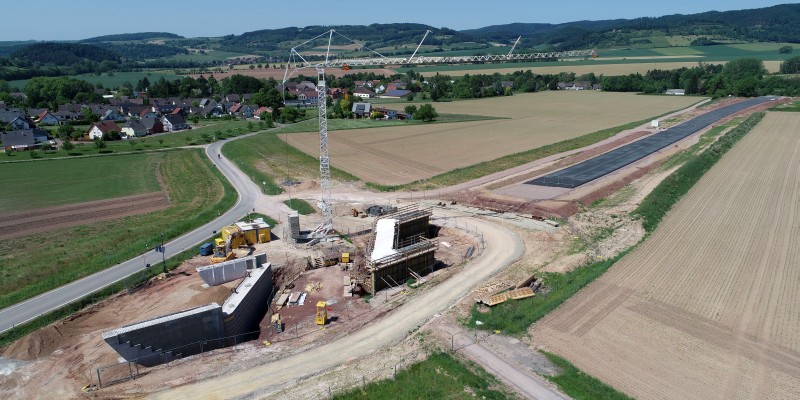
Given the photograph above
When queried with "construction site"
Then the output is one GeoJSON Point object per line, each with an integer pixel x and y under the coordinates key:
{"type": "Point", "coordinates": [283, 305]}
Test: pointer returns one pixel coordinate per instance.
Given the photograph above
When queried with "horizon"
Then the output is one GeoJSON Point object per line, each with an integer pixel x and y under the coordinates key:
{"type": "Point", "coordinates": [94, 21]}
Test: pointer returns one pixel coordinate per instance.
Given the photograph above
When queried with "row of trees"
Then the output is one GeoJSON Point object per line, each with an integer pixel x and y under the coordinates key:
{"type": "Point", "coordinates": [746, 77]}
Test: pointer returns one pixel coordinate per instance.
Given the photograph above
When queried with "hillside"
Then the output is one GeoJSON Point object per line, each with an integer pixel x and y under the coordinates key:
{"type": "Point", "coordinates": [125, 37]}
{"type": "Point", "coordinates": [774, 24]}
{"type": "Point", "coordinates": [63, 53]}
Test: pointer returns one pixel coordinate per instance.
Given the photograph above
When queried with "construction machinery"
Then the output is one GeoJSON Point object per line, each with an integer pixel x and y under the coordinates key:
{"type": "Point", "coordinates": [322, 313]}
{"type": "Point", "coordinates": [241, 234]}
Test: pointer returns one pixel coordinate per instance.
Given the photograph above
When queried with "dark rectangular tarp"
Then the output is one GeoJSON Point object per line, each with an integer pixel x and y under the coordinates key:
{"type": "Point", "coordinates": [606, 163]}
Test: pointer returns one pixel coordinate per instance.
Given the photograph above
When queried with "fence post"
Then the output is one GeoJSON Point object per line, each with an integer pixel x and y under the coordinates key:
{"type": "Point", "coordinates": [99, 382]}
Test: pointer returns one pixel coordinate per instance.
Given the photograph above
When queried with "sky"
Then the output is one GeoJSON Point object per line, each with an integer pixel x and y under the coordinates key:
{"type": "Point", "coordinates": [81, 19]}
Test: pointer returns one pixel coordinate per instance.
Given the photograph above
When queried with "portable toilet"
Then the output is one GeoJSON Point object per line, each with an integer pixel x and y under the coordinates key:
{"type": "Point", "coordinates": [206, 249]}
{"type": "Point", "coordinates": [345, 258]}
{"type": "Point", "coordinates": [322, 313]}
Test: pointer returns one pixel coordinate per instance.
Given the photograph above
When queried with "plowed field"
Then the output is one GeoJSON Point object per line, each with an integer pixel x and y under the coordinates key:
{"type": "Point", "coordinates": [709, 306]}
{"type": "Point", "coordinates": [402, 154]}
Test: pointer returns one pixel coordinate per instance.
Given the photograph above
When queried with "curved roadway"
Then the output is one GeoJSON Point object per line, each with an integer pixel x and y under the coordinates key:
{"type": "Point", "coordinates": [56, 298]}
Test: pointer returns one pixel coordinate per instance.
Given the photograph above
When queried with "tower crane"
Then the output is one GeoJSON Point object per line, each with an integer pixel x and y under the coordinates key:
{"type": "Point", "coordinates": [297, 63]}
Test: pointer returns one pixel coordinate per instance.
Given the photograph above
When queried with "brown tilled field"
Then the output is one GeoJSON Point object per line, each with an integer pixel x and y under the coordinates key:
{"type": "Point", "coordinates": [707, 307]}
{"type": "Point", "coordinates": [402, 154]}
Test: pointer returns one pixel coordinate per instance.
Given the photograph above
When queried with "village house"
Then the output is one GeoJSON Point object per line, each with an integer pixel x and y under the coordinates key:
{"type": "Point", "coordinates": [174, 122]}
{"type": "Point", "coordinates": [99, 129]}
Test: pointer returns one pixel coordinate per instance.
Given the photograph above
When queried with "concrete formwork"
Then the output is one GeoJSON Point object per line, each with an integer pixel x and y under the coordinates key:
{"type": "Point", "coordinates": [217, 274]}
{"type": "Point", "coordinates": [395, 270]}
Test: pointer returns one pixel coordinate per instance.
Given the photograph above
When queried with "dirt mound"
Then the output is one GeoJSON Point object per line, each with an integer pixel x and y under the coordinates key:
{"type": "Point", "coordinates": [38, 344]}
{"type": "Point", "coordinates": [307, 185]}
{"type": "Point", "coordinates": [214, 294]}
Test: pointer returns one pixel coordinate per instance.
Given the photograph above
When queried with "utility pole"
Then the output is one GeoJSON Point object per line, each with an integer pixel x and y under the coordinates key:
{"type": "Point", "coordinates": [163, 254]}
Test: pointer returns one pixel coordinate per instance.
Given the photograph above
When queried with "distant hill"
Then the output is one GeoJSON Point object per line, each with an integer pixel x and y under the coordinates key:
{"type": "Point", "coordinates": [779, 23]}
{"type": "Point", "coordinates": [122, 37]}
{"type": "Point", "coordinates": [63, 53]}
{"type": "Point", "coordinates": [373, 36]}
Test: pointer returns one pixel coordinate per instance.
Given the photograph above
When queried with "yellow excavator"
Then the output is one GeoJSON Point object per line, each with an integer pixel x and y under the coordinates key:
{"type": "Point", "coordinates": [232, 238]}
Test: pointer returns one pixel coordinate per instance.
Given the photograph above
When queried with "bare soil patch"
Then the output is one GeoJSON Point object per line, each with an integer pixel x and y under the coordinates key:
{"type": "Point", "coordinates": [707, 306]}
{"type": "Point", "coordinates": [51, 218]}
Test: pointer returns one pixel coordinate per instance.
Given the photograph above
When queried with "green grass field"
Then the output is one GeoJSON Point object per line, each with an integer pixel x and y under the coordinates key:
{"type": "Point", "coordinates": [213, 55]}
{"type": "Point", "coordinates": [38, 184]}
{"type": "Point", "coordinates": [439, 377]}
{"type": "Point", "coordinates": [40, 262]}
{"type": "Point", "coordinates": [301, 206]}
{"type": "Point", "coordinates": [114, 81]}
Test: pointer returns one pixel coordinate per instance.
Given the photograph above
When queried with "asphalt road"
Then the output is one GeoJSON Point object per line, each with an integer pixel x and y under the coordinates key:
{"type": "Point", "coordinates": [613, 160]}
{"type": "Point", "coordinates": [56, 298]}
{"type": "Point", "coordinates": [503, 248]}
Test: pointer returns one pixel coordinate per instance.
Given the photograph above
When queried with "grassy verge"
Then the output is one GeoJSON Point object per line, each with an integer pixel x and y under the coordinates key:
{"type": "Point", "coordinates": [656, 205]}
{"type": "Point", "coordinates": [265, 158]}
{"type": "Point", "coordinates": [791, 107]}
{"type": "Point", "coordinates": [40, 262]}
{"type": "Point", "coordinates": [704, 140]}
{"type": "Point", "coordinates": [471, 172]}
{"type": "Point", "coordinates": [20, 331]}
{"type": "Point", "coordinates": [515, 316]}
{"type": "Point", "coordinates": [251, 216]}
{"type": "Point", "coordinates": [579, 385]}
{"type": "Point", "coordinates": [439, 377]}
{"type": "Point", "coordinates": [301, 206]}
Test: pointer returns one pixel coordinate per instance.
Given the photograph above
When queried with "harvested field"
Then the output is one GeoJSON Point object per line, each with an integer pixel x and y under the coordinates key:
{"type": "Point", "coordinates": [707, 307]}
{"type": "Point", "coordinates": [406, 154]}
{"type": "Point", "coordinates": [47, 219]}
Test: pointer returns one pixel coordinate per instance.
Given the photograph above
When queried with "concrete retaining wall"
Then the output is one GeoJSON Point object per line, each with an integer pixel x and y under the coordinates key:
{"type": "Point", "coordinates": [189, 332]}
{"type": "Point", "coordinates": [182, 333]}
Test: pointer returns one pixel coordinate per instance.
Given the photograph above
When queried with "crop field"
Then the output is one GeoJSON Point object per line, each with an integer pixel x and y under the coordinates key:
{"type": "Point", "coordinates": [398, 155]}
{"type": "Point", "coordinates": [707, 307]}
{"type": "Point", "coordinates": [32, 185]}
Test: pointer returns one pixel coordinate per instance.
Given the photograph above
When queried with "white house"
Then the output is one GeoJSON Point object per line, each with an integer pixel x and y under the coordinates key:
{"type": "Point", "coordinates": [174, 122]}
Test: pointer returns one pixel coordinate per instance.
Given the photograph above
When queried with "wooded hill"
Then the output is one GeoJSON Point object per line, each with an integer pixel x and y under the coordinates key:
{"type": "Point", "coordinates": [779, 23]}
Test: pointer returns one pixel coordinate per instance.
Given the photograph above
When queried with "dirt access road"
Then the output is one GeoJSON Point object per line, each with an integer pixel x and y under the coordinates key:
{"type": "Point", "coordinates": [503, 248]}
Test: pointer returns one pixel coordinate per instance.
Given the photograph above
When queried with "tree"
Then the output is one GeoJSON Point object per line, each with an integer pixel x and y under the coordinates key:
{"type": "Point", "coordinates": [426, 113]}
{"type": "Point", "coordinates": [786, 50]}
{"type": "Point", "coordinates": [65, 131]}
{"type": "Point", "coordinates": [99, 143]}
{"type": "Point", "coordinates": [791, 66]}
{"type": "Point", "coordinates": [290, 114]}
{"type": "Point", "coordinates": [410, 110]}
{"type": "Point", "coordinates": [410, 96]}
{"type": "Point", "coordinates": [742, 68]}
{"type": "Point", "coordinates": [67, 145]}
